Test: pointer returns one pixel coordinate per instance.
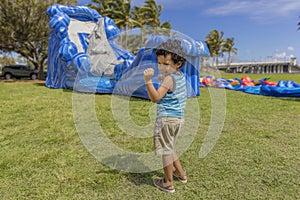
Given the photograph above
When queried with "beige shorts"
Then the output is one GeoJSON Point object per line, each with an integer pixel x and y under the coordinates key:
{"type": "Point", "coordinates": [165, 133]}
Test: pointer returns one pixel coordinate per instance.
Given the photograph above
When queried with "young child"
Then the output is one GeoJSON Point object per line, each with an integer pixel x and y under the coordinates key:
{"type": "Point", "coordinates": [171, 100]}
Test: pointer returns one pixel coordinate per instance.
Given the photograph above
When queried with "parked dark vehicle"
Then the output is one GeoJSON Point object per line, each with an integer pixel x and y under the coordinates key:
{"type": "Point", "coordinates": [19, 71]}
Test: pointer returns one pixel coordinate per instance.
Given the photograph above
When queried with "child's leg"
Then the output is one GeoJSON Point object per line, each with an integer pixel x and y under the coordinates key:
{"type": "Point", "coordinates": [177, 164]}
{"type": "Point", "coordinates": [170, 161]}
{"type": "Point", "coordinates": [168, 167]}
{"type": "Point", "coordinates": [179, 172]}
{"type": "Point", "coordinates": [166, 183]}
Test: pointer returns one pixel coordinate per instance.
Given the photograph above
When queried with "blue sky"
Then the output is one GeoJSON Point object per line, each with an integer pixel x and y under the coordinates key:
{"type": "Point", "coordinates": [261, 28]}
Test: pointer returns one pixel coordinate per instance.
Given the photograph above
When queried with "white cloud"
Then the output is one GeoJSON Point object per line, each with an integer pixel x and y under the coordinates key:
{"type": "Point", "coordinates": [290, 48]}
{"type": "Point", "coordinates": [283, 56]}
{"type": "Point", "coordinates": [280, 55]}
{"type": "Point", "coordinates": [260, 10]}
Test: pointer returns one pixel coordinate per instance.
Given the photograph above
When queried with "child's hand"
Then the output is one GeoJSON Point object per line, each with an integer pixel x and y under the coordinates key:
{"type": "Point", "coordinates": [160, 78]}
{"type": "Point", "coordinates": [148, 73]}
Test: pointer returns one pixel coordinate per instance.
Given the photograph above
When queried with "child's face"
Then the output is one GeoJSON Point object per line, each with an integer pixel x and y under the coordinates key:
{"type": "Point", "coordinates": [166, 65]}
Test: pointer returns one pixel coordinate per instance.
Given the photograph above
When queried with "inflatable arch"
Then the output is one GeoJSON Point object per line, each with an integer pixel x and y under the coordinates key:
{"type": "Point", "coordinates": [84, 55]}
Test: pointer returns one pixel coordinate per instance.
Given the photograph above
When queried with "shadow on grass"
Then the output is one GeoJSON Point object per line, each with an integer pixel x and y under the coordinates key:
{"type": "Point", "coordinates": [129, 164]}
{"type": "Point", "coordinates": [291, 99]}
{"type": "Point", "coordinates": [144, 178]}
{"type": "Point", "coordinates": [139, 99]}
{"type": "Point", "coordinates": [108, 171]}
{"type": "Point", "coordinates": [68, 90]}
{"type": "Point", "coordinates": [40, 84]}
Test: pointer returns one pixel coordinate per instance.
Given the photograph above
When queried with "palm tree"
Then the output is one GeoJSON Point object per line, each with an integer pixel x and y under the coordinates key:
{"type": "Point", "coordinates": [215, 41]}
{"type": "Point", "coordinates": [228, 48]}
{"type": "Point", "coordinates": [137, 15]}
{"type": "Point", "coordinates": [103, 7]}
{"type": "Point", "coordinates": [126, 17]}
{"type": "Point", "coordinates": [151, 13]}
{"type": "Point", "coordinates": [123, 15]}
{"type": "Point", "coordinates": [120, 11]}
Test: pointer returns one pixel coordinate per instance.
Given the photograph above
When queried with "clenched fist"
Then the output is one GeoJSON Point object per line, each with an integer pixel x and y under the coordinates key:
{"type": "Point", "coordinates": [148, 74]}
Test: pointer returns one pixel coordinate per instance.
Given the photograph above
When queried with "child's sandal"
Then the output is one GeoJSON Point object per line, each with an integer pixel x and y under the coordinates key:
{"type": "Point", "coordinates": [164, 186]}
{"type": "Point", "coordinates": [182, 179]}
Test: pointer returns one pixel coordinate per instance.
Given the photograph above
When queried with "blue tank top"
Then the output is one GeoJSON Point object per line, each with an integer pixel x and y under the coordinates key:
{"type": "Point", "coordinates": [173, 103]}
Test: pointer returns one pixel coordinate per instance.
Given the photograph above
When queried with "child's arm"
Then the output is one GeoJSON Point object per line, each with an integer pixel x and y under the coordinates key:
{"type": "Point", "coordinates": [155, 95]}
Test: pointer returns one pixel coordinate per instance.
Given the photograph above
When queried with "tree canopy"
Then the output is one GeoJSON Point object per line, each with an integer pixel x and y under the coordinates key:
{"type": "Point", "coordinates": [24, 29]}
{"type": "Point", "coordinates": [218, 45]}
{"type": "Point", "coordinates": [126, 17]}
{"type": "Point", "coordinates": [6, 59]}
{"type": "Point", "coordinates": [228, 47]}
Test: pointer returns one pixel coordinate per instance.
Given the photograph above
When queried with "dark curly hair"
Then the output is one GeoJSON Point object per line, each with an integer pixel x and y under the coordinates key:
{"type": "Point", "coordinates": [174, 48]}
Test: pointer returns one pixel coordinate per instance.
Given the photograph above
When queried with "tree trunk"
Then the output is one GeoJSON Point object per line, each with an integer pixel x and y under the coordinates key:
{"type": "Point", "coordinates": [39, 65]}
{"type": "Point", "coordinates": [228, 63]}
{"type": "Point", "coordinates": [41, 75]}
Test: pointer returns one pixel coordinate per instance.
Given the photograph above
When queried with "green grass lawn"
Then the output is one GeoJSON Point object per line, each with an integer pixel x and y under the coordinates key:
{"type": "Point", "coordinates": [42, 157]}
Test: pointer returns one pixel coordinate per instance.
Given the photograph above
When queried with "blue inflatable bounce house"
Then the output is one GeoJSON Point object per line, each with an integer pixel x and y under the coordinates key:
{"type": "Point", "coordinates": [84, 55]}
